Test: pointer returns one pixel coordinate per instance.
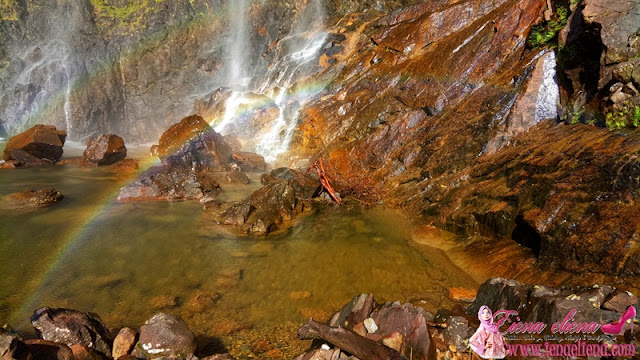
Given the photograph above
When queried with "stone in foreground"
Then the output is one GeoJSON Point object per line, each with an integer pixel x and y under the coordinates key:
{"type": "Point", "coordinates": [72, 327]}
{"type": "Point", "coordinates": [165, 335]}
{"type": "Point", "coordinates": [41, 143]}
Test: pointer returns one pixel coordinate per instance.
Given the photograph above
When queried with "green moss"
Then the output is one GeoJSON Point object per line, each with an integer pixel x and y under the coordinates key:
{"type": "Point", "coordinates": [626, 117]}
{"type": "Point", "coordinates": [123, 20]}
{"type": "Point", "coordinates": [9, 10]}
{"type": "Point", "coordinates": [546, 34]}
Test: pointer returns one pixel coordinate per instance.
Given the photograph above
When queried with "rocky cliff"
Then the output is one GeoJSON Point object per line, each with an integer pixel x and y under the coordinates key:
{"type": "Point", "coordinates": [130, 67]}
{"type": "Point", "coordinates": [445, 109]}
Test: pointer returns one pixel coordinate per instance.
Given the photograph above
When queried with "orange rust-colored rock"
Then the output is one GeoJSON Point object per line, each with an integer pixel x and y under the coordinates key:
{"type": "Point", "coordinates": [416, 108]}
{"type": "Point", "coordinates": [462, 294]}
{"type": "Point", "coordinates": [41, 142]}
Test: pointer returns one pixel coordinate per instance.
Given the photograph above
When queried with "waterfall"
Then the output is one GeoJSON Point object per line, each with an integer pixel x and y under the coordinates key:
{"type": "Point", "coordinates": [549, 92]}
{"type": "Point", "coordinates": [67, 100]}
{"type": "Point", "coordinates": [277, 140]}
{"type": "Point", "coordinates": [238, 46]}
{"type": "Point", "coordinates": [298, 53]}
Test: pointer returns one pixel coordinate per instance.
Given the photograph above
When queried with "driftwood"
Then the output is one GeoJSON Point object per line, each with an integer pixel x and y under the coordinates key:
{"type": "Point", "coordinates": [348, 341]}
{"type": "Point", "coordinates": [322, 175]}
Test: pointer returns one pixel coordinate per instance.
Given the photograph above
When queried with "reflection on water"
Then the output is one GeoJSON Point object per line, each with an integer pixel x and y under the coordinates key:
{"type": "Point", "coordinates": [127, 261]}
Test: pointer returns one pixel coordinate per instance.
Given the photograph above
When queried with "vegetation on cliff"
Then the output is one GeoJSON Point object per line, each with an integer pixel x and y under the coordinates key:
{"type": "Point", "coordinates": [546, 34]}
{"type": "Point", "coordinates": [9, 10]}
{"type": "Point", "coordinates": [122, 20]}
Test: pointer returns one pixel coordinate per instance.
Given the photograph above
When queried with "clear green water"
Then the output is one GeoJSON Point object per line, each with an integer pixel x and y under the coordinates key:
{"type": "Point", "coordinates": [92, 253]}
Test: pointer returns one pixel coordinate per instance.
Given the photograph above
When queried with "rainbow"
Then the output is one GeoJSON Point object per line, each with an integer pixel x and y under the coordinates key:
{"type": "Point", "coordinates": [304, 90]}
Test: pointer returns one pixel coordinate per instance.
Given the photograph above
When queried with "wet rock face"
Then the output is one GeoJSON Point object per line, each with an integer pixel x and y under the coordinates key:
{"type": "Point", "coordinates": [105, 150]}
{"type": "Point", "coordinates": [566, 192]}
{"type": "Point", "coordinates": [165, 335]}
{"type": "Point", "coordinates": [40, 144]}
{"type": "Point", "coordinates": [72, 327]}
{"type": "Point", "coordinates": [434, 130]}
{"type": "Point", "coordinates": [601, 48]}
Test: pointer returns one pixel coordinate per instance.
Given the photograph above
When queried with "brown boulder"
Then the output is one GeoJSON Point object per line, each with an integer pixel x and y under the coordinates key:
{"type": "Point", "coordinates": [105, 150]}
{"type": "Point", "coordinates": [42, 142]}
{"type": "Point", "coordinates": [81, 352]}
{"type": "Point", "coordinates": [619, 301]}
{"type": "Point", "coordinates": [249, 161]}
{"type": "Point", "coordinates": [11, 347]}
{"type": "Point", "coordinates": [72, 327]}
{"type": "Point", "coordinates": [193, 144]}
{"type": "Point", "coordinates": [230, 213]}
{"type": "Point", "coordinates": [124, 342]}
{"type": "Point", "coordinates": [39, 349]}
{"type": "Point", "coordinates": [165, 335]}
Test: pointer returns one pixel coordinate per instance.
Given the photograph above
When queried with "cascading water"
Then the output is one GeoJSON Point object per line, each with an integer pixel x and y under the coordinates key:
{"type": "Point", "coordinates": [298, 52]}
{"type": "Point", "coordinates": [238, 44]}
{"type": "Point", "coordinates": [67, 100]}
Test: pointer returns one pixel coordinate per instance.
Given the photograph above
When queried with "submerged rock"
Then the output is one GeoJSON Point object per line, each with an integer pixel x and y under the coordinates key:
{"type": "Point", "coordinates": [40, 144]}
{"type": "Point", "coordinates": [105, 150]}
{"type": "Point", "coordinates": [31, 199]}
{"type": "Point", "coordinates": [165, 335]}
{"type": "Point", "coordinates": [72, 327]}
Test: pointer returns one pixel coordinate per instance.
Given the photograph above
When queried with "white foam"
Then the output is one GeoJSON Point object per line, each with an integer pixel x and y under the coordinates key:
{"type": "Point", "coordinates": [549, 92]}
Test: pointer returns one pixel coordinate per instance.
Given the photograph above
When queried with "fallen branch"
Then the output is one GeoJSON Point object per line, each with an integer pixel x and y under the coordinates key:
{"type": "Point", "coordinates": [348, 341]}
{"type": "Point", "coordinates": [324, 181]}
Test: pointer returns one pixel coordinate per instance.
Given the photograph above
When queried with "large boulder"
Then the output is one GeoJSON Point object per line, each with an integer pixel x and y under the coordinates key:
{"type": "Point", "coordinates": [284, 196]}
{"type": "Point", "coordinates": [165, 335]}
{"type": "Point", "coordinates": [40, 143]}
{"type": "Point", "coordinates": [193, 144]}
{"type": "Point", "coordinates": [190, 151]}
{"type": "Point", "coordinates": [105, 150]}
{"type": "Point", "coordinates": [72, 327]}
